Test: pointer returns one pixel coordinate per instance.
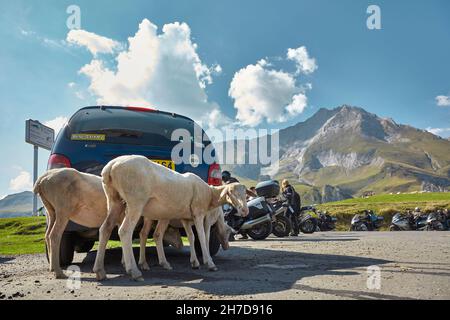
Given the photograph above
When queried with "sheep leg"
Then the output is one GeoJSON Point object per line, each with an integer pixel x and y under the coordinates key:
{"type": "Point", "coordinates": [55, 243]}
{"type": "Point", "coordinates": [50, 223]}
{"type": "Point", "coordinates": [158, 237]}
{"type": "Point", "coordinates": [207, 234]}
{"type": "Point", "coordinates": [199, 225]}
{"type": "Point", "coordinates": [126, 237]}
{"type": "Point", "coordinates": [107, 227]}
{"type": "Point", "coordinates": [143, 235]}
{"type": "Point", "coordinates": [190, 234]}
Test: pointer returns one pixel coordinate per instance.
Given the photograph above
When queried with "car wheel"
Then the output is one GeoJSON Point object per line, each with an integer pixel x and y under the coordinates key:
{"type": "Point", "coordinates": [214, 244]}
{"type": "Point", "coordinates": [84, 246]}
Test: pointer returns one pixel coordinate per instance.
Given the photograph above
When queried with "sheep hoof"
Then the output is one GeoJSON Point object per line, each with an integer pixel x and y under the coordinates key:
{"type": "Point", "coordinates": [136, 275]}
{"type": "Point", "coordinates": [144, 266]}
{"type": "Point", "coordinates": [100, 275]}
{"type": "Point", "coordinates": [195, 265]}
{"type": "Point", "coordinates": [213, 268]}
{"type": "Point", "coordinates": [60, 275]}
{"type": "Point", "coordinates": [139, 279]}
{"type": "Point", "coordinates": [166, 265]}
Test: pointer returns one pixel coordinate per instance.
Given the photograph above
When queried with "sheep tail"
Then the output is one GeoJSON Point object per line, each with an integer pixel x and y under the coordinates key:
{"type": "Point", "coordinates": [106, 173]}
{"type": "Point", "coordinates": [37, 185]}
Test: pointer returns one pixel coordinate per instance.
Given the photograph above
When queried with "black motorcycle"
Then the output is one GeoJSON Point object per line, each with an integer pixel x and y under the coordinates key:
{"type": "Point", "coordinates": [307, 219]}
{"type": "Point", "coordinates": [407, 222]}
{"type": "Point", "coordinates": [326, 222]}
{"type": "Point", "coordinates": [281, 224]}
{"type": "Point", "coordinates": [367, 221]}
{"type": "Point", "coordinates": [258, 224]}
{"type": "Point", "coordinates": [437, 221]}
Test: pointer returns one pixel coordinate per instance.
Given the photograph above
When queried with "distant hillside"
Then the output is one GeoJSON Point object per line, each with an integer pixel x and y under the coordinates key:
{"type": "Point", "coordinates": [17, 205]}
{"type": "Point", "coordinates": [344, 152]}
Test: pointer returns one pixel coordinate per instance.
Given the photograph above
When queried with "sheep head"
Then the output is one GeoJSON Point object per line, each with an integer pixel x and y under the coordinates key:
{"type": "Point", "coordinates": [236, 195]}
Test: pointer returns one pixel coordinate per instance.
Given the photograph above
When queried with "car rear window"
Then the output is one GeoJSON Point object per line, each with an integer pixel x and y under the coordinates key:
{"type": "Point", "coordinates": [123, 126]}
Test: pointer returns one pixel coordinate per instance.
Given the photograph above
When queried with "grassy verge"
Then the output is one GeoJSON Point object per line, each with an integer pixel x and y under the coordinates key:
{"type": "Point", "coordinates": [385, 205]}
{"type": "Point", "coordinates": [25, 235]}
{"type": "Point", "coordinates": [22, 235]}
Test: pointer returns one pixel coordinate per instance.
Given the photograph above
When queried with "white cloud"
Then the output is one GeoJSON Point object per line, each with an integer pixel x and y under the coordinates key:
{"type": "Point", "coordinates": [161, 70]}
{"type": "Point", "coordinates": [298, 104]}
{"type": "Point", "coordinates": [56, 124]}
{"type": "Point", "coordinates": [443, 101]}
{"type": "Point", "coordinates": [78, 93]}
{"type": "Point", "coordinates": [260, 93]}
{"type": "Point", "coordinates": [444, 132]}
{"type": "Point", "coordinates": [94, 43]}
{"type": "Point", "coordinates": [21, 183]}
{"type": "Point", "coordinates": [304, 63]}
{"type": "Point", "coordinates": [216, 119]}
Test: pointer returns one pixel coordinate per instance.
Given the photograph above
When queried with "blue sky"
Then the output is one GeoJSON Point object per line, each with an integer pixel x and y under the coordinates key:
{"type": "Point", "coordinates": [395, 72]}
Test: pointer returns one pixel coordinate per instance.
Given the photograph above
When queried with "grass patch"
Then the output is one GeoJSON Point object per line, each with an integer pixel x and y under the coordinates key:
{"type": "Point", "coordinates": [22, 235]}
{"type": "Point", "coordinates": [25, 235]}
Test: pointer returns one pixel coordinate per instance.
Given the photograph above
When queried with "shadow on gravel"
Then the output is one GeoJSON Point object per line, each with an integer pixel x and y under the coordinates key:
{"type": "Point", "coordinates": [242, 271]}
{"type": "Point", "coordinates": [5, 259]}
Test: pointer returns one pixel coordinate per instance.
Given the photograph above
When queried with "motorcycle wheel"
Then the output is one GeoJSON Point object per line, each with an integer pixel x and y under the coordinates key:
{"type": "Point", "coordinates": [362, 227]}
{"type": "Point", "coordinates": [281, 227]}
{"type": "Point", "coordinates": [261, 231]}
{"type": "Point", "coordinates": [393, 227]}
{"type": "Point", "coordinates": [435, 227]}
{"type": "Point", "coordinates": [308, 226]}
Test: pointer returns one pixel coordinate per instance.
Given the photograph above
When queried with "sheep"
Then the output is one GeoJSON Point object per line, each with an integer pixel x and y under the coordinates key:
{"type": "Point", "coordinates": [221, 229]}
{"type": "Point", "coordinates": [158, 193]}
{"type": "Point", "coordinates": [68, 194]}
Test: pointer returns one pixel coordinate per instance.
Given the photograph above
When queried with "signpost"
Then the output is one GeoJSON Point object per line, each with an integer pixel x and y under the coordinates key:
{"type": "Point", "coordinates": [39, 136]}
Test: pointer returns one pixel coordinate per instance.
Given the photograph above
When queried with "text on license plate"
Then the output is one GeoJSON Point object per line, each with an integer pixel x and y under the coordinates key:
{"type": "Point", "coordinates": [166, 163]}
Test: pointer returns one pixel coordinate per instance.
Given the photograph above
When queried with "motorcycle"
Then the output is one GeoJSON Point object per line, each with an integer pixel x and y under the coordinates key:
{"type": "Point", "coordinates": [406, 222]}
{"type": "Point", "coordinates": [437, 221]}
{"type": "Point", "coordinates": [307, 219]}
{"type": "Point", "coordinates": [281, 224]}
{"type": "Point", "coordinates": [368, 221]}
{"type": "Point", "coordinates": [326, 222]}
{"type": "Point", "coordinates": [258, 225]}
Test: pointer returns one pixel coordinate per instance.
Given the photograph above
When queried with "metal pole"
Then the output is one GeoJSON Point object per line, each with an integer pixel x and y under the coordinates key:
{"type": "Point", "coordinates": [35, 174]}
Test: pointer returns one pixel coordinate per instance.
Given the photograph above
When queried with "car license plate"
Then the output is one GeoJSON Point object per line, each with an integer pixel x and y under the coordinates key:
{"type": "Point", "coordinates": [166, 163]}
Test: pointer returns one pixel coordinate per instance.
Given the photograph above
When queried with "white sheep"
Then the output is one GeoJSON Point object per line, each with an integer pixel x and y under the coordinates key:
{"type": "Point", "coordinates": [68, 194]}
{"type": "Point", "coordinates": [158, 193]}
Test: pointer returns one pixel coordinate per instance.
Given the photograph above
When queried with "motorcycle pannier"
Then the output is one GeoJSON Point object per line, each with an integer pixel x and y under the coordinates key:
{"type": "Point", "coordinates": [268, 189]}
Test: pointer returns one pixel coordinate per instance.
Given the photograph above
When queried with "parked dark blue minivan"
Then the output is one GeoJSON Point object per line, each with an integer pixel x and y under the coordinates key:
{"type": "Point", "coordinates": [96, 135]}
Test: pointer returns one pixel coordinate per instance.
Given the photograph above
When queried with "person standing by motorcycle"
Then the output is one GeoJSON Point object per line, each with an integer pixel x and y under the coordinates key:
{"type": "Point", "coordinates": [294, 201]}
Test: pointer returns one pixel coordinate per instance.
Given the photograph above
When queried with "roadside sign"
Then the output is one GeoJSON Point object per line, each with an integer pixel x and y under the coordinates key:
{"type": "Point", "coordinates": [39, 135]}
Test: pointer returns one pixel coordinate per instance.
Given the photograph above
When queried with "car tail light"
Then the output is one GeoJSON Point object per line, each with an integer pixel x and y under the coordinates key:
{"type": "Point", "coordinates": [214, 175]}
{"type": "Point", "coordinates": [58, 161]}
{"type": "Point", "coordinates": [140, 109]}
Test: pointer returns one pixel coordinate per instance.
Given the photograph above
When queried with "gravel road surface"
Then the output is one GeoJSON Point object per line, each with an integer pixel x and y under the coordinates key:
{"type": "Point", "coordinates": [324, 265]}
